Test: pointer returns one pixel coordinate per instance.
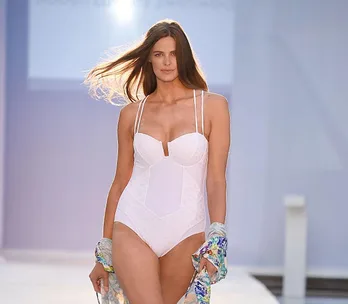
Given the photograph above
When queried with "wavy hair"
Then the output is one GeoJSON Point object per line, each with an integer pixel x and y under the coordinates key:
{"type": "Point", "coordinates": [130, 75]}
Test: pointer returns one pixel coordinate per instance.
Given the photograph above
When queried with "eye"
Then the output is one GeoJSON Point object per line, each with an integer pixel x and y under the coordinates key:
{"type": "Point", "coordinates": [173, 53]}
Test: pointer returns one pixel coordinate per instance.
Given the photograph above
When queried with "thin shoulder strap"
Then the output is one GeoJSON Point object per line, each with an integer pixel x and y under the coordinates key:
{"type": "Point", "coordinates": [138, 116]}
{"type": "Point", "coordinates": [202, 111]}
{"type": "Point", "coordinates": [195, 103]}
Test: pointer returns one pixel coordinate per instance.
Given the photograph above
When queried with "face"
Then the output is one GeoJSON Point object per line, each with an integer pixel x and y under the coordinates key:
{"type": "Point", "coordinates": [163, 59]}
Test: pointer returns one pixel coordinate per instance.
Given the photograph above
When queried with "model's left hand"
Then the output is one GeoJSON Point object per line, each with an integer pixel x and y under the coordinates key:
{"type": "Point", "coordinates": [208, 265]}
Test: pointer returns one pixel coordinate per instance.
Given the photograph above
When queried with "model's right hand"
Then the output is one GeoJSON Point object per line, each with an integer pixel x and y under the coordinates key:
{"type": "Point", "coordinates": [97, 274]}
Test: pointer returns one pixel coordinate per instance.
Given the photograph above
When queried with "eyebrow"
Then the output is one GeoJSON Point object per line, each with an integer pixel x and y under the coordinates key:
{"type": "Point", "coordinates": [156, 51]}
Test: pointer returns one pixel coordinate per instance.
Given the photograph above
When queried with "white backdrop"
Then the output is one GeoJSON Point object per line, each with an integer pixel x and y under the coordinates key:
{"type": "Point", "coordinates": [61, 50]}
{"type": "Point", "coordinates": [290, 130]}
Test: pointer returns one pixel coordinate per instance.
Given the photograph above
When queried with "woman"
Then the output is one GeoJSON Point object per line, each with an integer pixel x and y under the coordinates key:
{"type": "Point", "coordinates": [170, 144]}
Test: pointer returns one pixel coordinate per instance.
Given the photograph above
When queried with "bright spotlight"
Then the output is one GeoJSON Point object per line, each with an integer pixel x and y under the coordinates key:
{"type": "Point", "coordinates": [123, 10]}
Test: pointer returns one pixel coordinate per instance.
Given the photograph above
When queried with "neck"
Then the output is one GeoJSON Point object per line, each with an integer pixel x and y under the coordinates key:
{"type": "Point", "coordinates": [170, 92]}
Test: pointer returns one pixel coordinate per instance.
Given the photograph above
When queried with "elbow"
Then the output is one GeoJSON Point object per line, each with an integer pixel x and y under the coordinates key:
{"type": "Point", "coordinates": [214, 184]}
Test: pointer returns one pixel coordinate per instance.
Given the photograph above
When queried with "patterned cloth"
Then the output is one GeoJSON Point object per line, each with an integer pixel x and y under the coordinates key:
{"type": "Point", "coordinates": [214, 250]}
{"type": "Point", "coordinates": [103, 255]}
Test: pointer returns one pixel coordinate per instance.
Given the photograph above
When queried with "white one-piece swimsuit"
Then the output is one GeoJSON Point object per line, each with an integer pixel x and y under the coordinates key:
{"type": "Point", "coordinates": [163, 202]}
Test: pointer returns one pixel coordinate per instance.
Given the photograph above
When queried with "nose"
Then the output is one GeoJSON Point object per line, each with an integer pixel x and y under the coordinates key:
{"type": "Point", "coordinates": [167, 60]}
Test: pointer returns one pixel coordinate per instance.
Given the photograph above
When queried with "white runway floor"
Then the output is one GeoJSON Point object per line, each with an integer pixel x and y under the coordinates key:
{"type": "Point", "coordinates": [59, 283]}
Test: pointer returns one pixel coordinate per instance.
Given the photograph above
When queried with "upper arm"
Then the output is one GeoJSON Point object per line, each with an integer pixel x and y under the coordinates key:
{"type": "Point", "coordinates": [219, 137]}
{"type": "Point", "coordinates": [125, 154]}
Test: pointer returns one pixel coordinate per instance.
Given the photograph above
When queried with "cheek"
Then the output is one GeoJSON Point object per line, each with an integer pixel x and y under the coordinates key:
{"type": "Point", "coordinates": [156, 63]}
{"type": "Point", "coordinates": [175, 62]}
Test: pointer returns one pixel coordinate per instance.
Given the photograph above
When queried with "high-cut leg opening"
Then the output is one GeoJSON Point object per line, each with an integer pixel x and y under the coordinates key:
{"type": "Point", "coordinates": [128, 222]}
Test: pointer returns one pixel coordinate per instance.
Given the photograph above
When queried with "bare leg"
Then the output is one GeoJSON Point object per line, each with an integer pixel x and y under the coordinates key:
{"type": "Point", "coordinates": [176, 268]}
{"type": "Point", "coordinates": [136, 266]}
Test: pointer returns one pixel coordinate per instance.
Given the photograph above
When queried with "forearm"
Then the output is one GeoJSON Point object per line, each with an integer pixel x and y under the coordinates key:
{"type": "Point", "coordinates": [110, 209]}
{"type": "Point", "coordinates": [216, 192]}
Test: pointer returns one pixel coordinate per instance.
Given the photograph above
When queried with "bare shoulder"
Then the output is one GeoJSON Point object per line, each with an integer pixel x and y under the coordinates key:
{"type": "Point", "coordinates": [215, 104]}
{"type": "Point", "coordinates": [128, 113]}
{"type": "Point", "coordinates": [129, 110]}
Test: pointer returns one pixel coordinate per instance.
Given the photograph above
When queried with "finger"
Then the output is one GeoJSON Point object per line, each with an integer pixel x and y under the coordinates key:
{"type": "Point", "coordinates": [211, 269]}
{"type": "Point", "coordinates": [106, 282]}
{"type": "Point", "coordinates": [202, 263]}
{"type": "Point", "coordinates": [95, 283]}
{"type": "Point", "coordinates": [96, 286]}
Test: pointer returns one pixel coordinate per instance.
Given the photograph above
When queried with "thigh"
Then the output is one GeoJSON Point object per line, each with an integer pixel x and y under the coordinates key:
{"type": "Point", "coordinates": [136, 266]}
{"type": "Point", "coordinates": [176, 268]}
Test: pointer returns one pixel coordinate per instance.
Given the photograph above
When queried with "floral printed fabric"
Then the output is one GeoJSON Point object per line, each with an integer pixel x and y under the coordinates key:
{"type": "Point", "coordinates": [103, 255]}
{"type": "Point", "coordinates": [199, 290]}
{"type": "Point", "coordinates": [214, 250]}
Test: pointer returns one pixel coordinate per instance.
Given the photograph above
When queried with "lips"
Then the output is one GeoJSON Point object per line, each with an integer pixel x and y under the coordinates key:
{"type": "Point", "coordinates": [167, 71]}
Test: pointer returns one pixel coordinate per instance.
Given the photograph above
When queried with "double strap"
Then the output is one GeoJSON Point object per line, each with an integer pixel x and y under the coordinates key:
{"type": "Point", "coordinates": [141, 110]}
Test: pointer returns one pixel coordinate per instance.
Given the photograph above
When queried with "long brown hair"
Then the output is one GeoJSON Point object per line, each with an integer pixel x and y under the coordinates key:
{"type": "Point", "coordinates": [130, 74]}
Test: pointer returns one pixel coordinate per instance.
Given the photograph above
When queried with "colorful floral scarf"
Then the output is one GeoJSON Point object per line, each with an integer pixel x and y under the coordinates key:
{"type": "Point", "coordinates": [214, 250]}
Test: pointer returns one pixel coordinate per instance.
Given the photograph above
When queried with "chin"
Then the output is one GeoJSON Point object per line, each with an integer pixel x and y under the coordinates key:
{"type": "Point", "coordinates": [168, 78]}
